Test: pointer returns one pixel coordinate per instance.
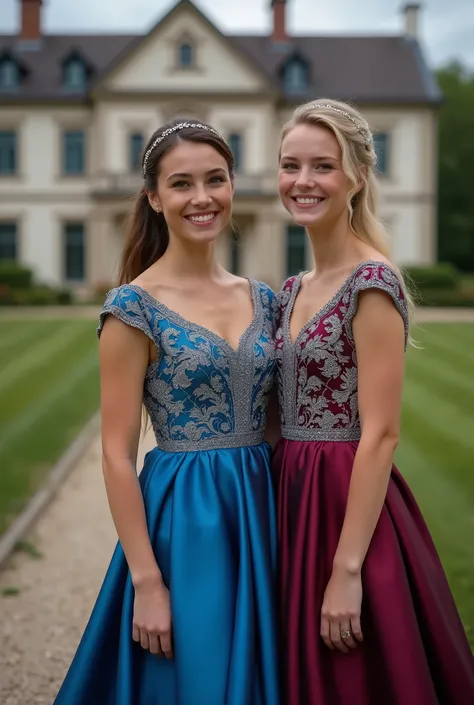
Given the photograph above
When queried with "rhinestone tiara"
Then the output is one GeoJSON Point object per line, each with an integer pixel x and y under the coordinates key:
{"type": "Point", "coordinates": [169, 131]}
{"type": "Point", "coordinates": [366, 135]}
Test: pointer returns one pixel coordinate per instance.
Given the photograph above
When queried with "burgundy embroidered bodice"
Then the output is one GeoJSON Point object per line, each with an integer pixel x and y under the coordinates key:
{"type": "Point", "coordinates": [317, 373]}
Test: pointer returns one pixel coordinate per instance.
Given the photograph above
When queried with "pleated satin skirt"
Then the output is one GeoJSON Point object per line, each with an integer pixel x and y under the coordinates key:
{"type": "Point", "coordinates": [211, 519]}
{"type": "Point", "coordinates": [415, 651]}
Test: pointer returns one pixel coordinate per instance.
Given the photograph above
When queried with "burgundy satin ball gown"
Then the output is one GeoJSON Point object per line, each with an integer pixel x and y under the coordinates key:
{"type": "Point", "coordinates": [415, 650]}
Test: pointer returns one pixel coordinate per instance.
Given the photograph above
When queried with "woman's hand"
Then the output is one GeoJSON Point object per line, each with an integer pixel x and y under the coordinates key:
{"type": "Point", "coordinates": [340, 613]}
{"type": "Point", "coordinates": [152, 618]}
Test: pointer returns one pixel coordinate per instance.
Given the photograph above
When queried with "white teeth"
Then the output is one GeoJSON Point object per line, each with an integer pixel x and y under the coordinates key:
{"type": "Point", "coordinates": [308, 201]}
{"type": "Point", "coordinates": [202, 218]}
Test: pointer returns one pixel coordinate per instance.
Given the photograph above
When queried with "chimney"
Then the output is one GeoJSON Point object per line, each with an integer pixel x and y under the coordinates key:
{"type": "Point", "coordinates": [279, 21]}
{"type": "Point", "coordinates": [30, 20]}
{"type": "Point", "coordinates": [412, 15]}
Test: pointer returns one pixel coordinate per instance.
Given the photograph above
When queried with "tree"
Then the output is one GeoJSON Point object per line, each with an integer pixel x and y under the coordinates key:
{"type": "Point", "coordinates": [456, 167]}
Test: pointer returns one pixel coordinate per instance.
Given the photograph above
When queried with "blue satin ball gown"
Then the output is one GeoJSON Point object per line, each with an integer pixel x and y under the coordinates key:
{"type": "Point", "coordinates": [210, 512]}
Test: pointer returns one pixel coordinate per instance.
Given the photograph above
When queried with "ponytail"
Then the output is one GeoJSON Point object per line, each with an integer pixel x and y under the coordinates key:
{"type": "Point", "coordinates": [146, 242]}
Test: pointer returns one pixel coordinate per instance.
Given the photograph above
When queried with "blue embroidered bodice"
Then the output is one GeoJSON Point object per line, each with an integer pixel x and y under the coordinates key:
{"type": "Point", "coordinates": [199, 392]}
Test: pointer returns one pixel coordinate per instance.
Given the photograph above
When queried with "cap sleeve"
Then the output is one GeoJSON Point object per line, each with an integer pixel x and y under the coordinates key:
{"type": "Point", "coordinates": [127, 305]}
{"type": "Point", "coordinates": [376, 275]}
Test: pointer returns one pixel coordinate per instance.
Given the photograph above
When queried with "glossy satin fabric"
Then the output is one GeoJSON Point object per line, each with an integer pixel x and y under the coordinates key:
{"type": "Point", "coordinates": [415, 650]}
{"type": "Point", "coordinates": [211, 519]}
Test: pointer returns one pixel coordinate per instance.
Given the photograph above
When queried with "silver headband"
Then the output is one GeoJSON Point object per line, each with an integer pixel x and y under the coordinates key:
{"type": "Point", "coordinates": [169, 131]}
{"type": "Point", "coordinates": [366, 135]}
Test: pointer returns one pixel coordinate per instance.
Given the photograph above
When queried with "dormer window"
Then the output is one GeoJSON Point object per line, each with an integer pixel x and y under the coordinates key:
{"type": "Point", "coordinates": [186, 55]}
{"type": "Point", "coordinates": [296, 76]}
{"type": "Point", "coordinates": [75, 74]}
{"type": "Point", "coordinates": [9, 74]}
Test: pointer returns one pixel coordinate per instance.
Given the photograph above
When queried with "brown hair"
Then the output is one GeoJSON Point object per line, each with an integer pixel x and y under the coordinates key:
{"type": "Point", "coordinates": [148, 236]}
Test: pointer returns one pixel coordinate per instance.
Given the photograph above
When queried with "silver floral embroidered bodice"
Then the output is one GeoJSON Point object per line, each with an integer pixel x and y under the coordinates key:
{"type": "Point", "coordinates": [199, 392]}
{"type": "Point", "coordinates": [317, 372]}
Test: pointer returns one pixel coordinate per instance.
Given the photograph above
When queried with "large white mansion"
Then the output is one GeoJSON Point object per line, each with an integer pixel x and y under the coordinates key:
{"type": "Point", "coordinates": [76, 110]}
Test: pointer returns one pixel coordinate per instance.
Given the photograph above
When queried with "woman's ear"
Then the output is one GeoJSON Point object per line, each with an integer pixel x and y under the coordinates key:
{"type": "Point", "coordinates": [154, 201]}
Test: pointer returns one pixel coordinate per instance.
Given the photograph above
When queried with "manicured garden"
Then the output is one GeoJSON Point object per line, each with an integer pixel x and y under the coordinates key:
{"type": "Point", "coordinates": [49, 388]}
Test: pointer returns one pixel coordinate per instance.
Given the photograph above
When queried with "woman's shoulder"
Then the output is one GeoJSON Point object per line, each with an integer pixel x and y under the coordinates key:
{"type": "Point", "coordinates": [375, 271]}
{"type": "Point", "coordinates": [126, 303]}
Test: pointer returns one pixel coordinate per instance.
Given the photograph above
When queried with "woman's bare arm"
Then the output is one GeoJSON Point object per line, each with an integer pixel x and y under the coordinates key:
{"type": "Point", "coordinates": [124, 356]}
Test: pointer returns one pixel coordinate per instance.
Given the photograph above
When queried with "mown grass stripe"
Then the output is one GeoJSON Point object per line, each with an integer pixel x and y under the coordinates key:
{"type": "Point", "coordinates": [454, 461]}
{"type": "Point", "coordinates": [39, 354]}
{"type": "Point", "coordinates": [17, 398]}
{"type": "Point", "coordinates": [464, 334]}
{"type": "Point", "coordinates": [63, 387]}
{"type": "Point", "coordinates": [449, 383]}
{"type": "Point", "coordinates": [449, 514]}
{"type": "Point", "coordinates": [448, 345]}
{"type": "Point", "coordinates": [447, 509]}
{"type": "Point", "coordinates": [443, 416]}
{"type": "Point", "coordinates": [18, 334]}
{"type": "Point", "coordinates": [18, 349]}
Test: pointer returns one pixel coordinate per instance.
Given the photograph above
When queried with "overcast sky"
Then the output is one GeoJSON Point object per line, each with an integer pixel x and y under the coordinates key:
{"type": "Point", "coordinates": [447, 27]}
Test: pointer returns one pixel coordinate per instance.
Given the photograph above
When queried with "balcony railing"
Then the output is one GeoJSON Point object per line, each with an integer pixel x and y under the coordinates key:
{"type": "Point", "coordinates": [127, 184]}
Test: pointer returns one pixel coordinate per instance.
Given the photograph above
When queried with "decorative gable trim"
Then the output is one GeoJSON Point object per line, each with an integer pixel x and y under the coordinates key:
{"type": "Point", "coordinates": [136, 44]}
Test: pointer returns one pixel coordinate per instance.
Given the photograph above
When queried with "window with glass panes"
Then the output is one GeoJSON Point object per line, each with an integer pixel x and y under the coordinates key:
{"type": "Point", "coordinates": [74, 251]}
{"type": "Point", "coordinates": [295, 249]}
{"type": "Point", "coordinates": [74, 144]}
{"type": "Point", "coordinates": [381, 146]}
{"type": "Point", "coordinates": [236, 146]}
{"type": "Point", "coordinates": [135, 151]}
{"type": "Point", "coordinates": [8, 152]}
{"type": "Point", "coordinates": [8, 241]}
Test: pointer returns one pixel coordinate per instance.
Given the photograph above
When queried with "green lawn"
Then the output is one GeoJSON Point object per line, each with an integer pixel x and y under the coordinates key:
{"type": "Point", "coordinates": [49, 389]}
{"type": "Point", "coordinates": [436, 454]}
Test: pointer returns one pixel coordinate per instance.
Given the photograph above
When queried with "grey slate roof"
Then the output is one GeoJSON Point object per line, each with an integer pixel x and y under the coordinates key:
{"type": "Point", "coordinates": [388, 69]}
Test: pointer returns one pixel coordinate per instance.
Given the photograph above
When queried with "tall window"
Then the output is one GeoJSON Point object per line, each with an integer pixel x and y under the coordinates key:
{"type": "Point", "coordinates": [296, 76]}
{"type": "Point", "coordinates": [8, 241]}
{"type": "Point", "coordinates": [9, 74]}
{"type": "Point", "coordinates": [186, 55]}
{"type": "Point", "coordinates": [8, 152]}
{"type": "Point", "coordinates": [135, 151]}
{"type": "Point", "coordinates": [74, 162]}
{"type": "Point", "coordinates": [382, 146]}
{"type": "Point", "coordinates": [74, 252]}
{"type": "Point", "coordinates": [236, 146]}
{"type": "Point", "coordinates": [75, 74]}
{"type": "Point", "coordinates": [295, 249]}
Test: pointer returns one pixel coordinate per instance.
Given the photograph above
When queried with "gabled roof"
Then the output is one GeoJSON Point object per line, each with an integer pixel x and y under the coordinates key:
{"type": "Point", "coordinates": [139, 40]}
{"type": "Point", "coordinates": [370, 69]}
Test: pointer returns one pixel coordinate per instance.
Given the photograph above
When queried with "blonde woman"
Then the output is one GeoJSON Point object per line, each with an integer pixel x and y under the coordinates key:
{"type": "Point", "coordinates": [367, 614]}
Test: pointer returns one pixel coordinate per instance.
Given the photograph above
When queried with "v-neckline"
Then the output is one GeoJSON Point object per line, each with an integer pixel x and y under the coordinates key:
{"type": "Point", "coordinates": [325, 308]}
{"type": "Point", "coordinates": [212, 335]}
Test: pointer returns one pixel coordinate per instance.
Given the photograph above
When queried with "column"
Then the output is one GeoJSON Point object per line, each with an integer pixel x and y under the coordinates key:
{"type": "Point", "coordinates": [264, 252]}
{"type": "Point", "coordinates": [105, 242]}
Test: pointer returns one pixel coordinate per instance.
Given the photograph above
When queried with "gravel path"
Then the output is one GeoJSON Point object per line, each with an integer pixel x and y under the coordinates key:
{"type": "Point", "coordinates": [40, 627]}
